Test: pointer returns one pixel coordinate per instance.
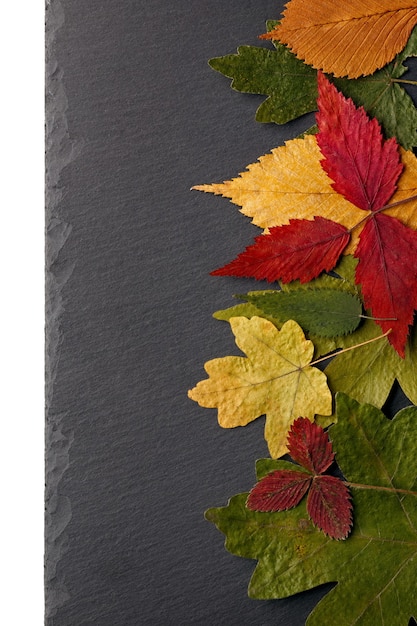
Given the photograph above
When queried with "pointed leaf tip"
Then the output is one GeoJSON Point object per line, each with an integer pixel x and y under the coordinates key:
{"type": "Point", "coordinates": [301, 250]}
{"type": "Point", "coordinates": [309, 445]}
{"type": "Point", "coordinates": [364, 167]}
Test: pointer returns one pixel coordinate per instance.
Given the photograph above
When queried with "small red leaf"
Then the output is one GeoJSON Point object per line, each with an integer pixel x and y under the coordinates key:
{"type": "Point", "coordinates": [329, 506]}
{"type": "Point", "coordinates": [309, 446]}
{"type": "Point", "coordinates": [387, 272]}
{"type": "Point", "coordinates": [279, 491]}
{"type": "Point", "coordinates": [363, 166]}
{"type": "Point", "coordinates": [300, 250]}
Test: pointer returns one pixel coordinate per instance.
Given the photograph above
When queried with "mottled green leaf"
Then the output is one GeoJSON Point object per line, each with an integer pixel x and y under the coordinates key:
{"type": "Point", "coordinates": [376, 567]}
{"type": "Point", "coordinates": [290, 85]}
{"type": "Point", "coordinates": [383, 97]}
{"type": "Point", "coordinates": [324, 312]}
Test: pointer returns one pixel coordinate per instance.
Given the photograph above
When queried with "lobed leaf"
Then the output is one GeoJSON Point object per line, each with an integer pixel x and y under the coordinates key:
{"type": "Point", "coordinates": [288, 82]}
{"type": "Point", "coordinates": [376, 567]}
{"type": "Point", "coordinates": [275, 380]}
{"type": "Point", "coordinates": [291, 87]}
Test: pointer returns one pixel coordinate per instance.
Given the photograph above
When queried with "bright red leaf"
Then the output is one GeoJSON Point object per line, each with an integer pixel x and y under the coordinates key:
{"type": "Point", "coordinates": [328, 502]}
{"type": "Point", "coordinates": [329, 506]}
{"type": "Point", "coordinates": [387, 272]}
{"type": "Point", "coordinates": [279, 491]}
{"type": "Point", "coordinates": [364, 167]}
{"type": "Point", "coordinates": [309, 446]}
{"type": "Point", "coordinates": [300, 250]}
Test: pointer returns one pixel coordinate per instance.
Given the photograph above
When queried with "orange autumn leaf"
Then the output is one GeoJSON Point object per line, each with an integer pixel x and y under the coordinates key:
{"type": "Point", "coordinates": [350, 38]}
{"type": "Point", "coordinates": [289, 183]}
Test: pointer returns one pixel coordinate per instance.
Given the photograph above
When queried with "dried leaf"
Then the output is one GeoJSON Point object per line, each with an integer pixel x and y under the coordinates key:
{"type": "Point", "coordinates": [319, 311]}
{"type": "Point", "coordinates": [376, 567]}
{"type": "Point", "coordinates": [289, 183]}
{"type": "Point", "coordinates": [349, 39]}
{"type": "Point", "coordinates": [301, 250]}
{"type": "Point", "coordinates": [309, 446]}
{"type": "Point", "coordinates": [279, 491]}
{"type": "Point", "coordinates": [289, 84]}
{"type": "Point", "coordinates": [363, 167]}
{"type": "Point", "coordinates": [275, 380]}
{"type": "Point", "coordinates": [328, 503]}
{"type": "Point", "coordinates": [291, 87]}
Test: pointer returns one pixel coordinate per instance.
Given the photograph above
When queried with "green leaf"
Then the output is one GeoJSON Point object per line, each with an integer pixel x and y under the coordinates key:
{"type": "Point", "coordinates": [376, 566]}
{"type": "Point", "coordinates": [369, 372]}
{"type": "Point", "coordinates": [324, 312]}
{"type": "Point", "coordinates": [383, 97]}
{"type": "Point", "coordinates": [291, 87]}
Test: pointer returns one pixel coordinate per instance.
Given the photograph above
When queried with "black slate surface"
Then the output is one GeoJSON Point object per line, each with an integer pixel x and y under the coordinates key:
{"type": "Point", "coordinates": [135, 117]}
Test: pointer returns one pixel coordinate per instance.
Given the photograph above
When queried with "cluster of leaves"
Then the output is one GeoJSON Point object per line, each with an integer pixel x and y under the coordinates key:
{"type": "Point", "coordinates": [376, 567]}
{"type": "Point", "coordinates": [328, 504]}
{"type": "Point", "coordinates": [338, 209]}
{"type": "Point", "coordinates": [291, 87]}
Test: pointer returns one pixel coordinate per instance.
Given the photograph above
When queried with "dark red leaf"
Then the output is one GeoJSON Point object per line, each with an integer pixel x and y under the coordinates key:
{"type": "Point", "coordinates": [279, 491]}
{"type": "Point", "coordinates": [363, 166]}
{"type": "Point", "coordinates": [387, 271]}
{"type": "Point", "coordinates": [300, 250]}
{"type": "Point", "coordinates": [329, 506]}
{"type": "Point", "coordinates": [309, 446]}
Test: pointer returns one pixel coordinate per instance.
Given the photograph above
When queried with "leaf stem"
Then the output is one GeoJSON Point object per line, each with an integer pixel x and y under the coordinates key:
{"type": "Point", "coordinates": [378, 319]}
{"type": "Point", "coordinates": [359, 345]}
{"type": "Point", "coordinates": [384, 208]}
{"type": "Point", "coordinates": [403, 80]}
{"type": "Point", "coordinates": [379, 488]}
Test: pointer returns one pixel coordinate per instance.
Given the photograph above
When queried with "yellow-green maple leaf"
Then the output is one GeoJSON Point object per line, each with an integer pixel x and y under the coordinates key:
{"type": "Point", "coordinates": [275, 380]}
{"type": "Point", "coordinates": [289, 183]}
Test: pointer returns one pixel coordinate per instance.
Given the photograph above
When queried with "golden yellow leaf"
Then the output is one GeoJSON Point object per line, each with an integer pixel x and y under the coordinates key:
{"type": "Point", "coordinates": [289, 183]}
{"type": "Point", "coordinates": [275, 380]}
{"type": "Point", "coordinates": [350, 38]}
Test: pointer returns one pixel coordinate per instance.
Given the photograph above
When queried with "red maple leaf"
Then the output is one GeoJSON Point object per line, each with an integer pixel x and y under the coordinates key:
{"type": "Point", "coordinates": [328, 502]}
{"type": "Point", "coordinates": [365, 169]}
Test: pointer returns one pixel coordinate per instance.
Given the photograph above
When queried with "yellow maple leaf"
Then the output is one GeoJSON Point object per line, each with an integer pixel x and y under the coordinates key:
{"type": "Point", "coordinates": [275, 380]}
{"type": "Point", "coordinates": [350, 38]}
{"type": "Point", "coordinates": [289, 183]}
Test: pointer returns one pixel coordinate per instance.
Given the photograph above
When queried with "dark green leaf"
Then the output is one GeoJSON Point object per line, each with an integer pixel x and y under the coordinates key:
{"type": "Point", "coordinates": [323, 312]}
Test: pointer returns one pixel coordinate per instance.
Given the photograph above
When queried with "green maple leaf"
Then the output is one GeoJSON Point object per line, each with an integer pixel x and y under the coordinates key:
{"type": "Point", "coordinates": [291, 87]}
{"type": "Point", "coordinates": [376, 567]}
